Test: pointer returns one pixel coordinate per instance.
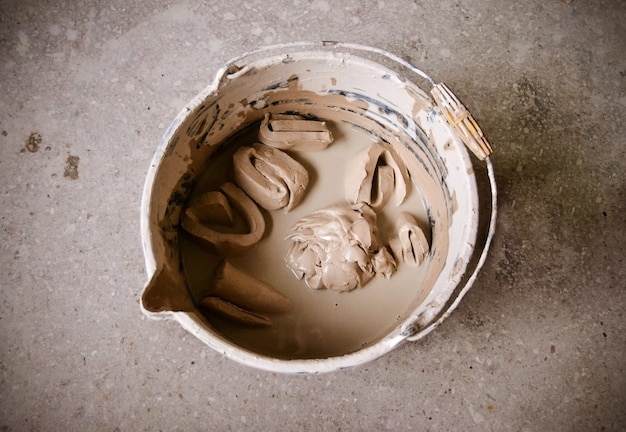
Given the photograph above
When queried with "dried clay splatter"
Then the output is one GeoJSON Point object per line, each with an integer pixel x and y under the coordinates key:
{"type": "Point", "coordinates": [71, 167]}
{"type": "Point", "coordinates": [33, 142]}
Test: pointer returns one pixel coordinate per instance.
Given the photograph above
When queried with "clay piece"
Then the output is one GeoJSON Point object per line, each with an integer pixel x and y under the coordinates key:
{"type": "Point", "coordinates": [410, 244]}
{"type": "Point", "coordinates": [270, 176]}
{"type": "Point", "coordinates": [384, 263]}
{"type": "Point", "coordinates": [213, 208]}
{"type": "Point", "coordinates": [234, 313]}
{"type": "Point", "coordinates": [247, 292]}
{"type": "Point", "coordinates": [337, 248]}
{"type": "Point", "coordinates": [374, 175]}
{"type": "Point", "coordinates": [242, 298]}
{"type": "Point", "coordinates": [205, 215]}
{"type": "Point", "coordinates": [293, 133]}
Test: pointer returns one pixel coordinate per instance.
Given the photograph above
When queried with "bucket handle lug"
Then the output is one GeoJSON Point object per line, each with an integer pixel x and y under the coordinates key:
{"type": "Point", "coordinates": [461, 120]}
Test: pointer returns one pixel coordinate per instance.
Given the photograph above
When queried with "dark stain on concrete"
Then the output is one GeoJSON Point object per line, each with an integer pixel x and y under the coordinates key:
{"type": "Point", "coordinates": [33, 142]}
{"type": "Point", "coordinates": [71, 167]}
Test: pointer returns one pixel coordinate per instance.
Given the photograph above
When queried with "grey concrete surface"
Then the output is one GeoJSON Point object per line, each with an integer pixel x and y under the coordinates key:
{"type": "Point", "coordinates": [539, 342]}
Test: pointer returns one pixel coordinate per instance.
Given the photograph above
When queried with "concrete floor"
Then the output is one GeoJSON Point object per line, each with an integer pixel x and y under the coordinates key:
{"type": "Point", "coordinates": [538, 344]}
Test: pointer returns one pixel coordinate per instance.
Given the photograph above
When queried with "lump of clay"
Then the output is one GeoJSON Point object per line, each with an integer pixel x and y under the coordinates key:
{"type": "Point", "coordinates": [240, 288]}
{"type": "Point", "coordinates": [375, 174]}
{"type": "Point", "coordinates": [337, 248]}
{"type": "Point", "coordinates": [384, 263]}
{"type": "Point", "coordinates": [242, 298]}
{"type": "Point", "coordinates": [270, 176]}
{"type": "Point", "coordinates": [410, 244]}
{"type": "Point", "coordinates": [209, 217]}
{"type": "Point", "coordinates": [293, 133]}
{"type": "Point", "coordinates": [234, 313]}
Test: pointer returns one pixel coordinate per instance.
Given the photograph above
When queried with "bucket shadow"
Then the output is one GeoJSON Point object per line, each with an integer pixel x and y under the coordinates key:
{"type": "Point", "coordinates": [554, 278]}
{"type": "Point", "coordinates": [551, 215]}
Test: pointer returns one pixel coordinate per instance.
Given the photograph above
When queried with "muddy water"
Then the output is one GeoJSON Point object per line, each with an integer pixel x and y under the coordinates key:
{"type": "Point", "coordinates": [322, 323]}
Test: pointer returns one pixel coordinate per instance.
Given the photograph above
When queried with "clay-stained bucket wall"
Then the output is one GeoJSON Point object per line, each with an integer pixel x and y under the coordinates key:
{"type": "Point", "coordinates": [351, 93]}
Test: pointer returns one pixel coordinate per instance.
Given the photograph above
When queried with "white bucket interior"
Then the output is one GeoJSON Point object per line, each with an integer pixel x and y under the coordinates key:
{"type": "Point", "coordinates": [327, 330]}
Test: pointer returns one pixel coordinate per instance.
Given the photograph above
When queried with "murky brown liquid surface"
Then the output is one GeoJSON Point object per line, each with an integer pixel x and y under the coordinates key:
{"type": "Point", "coordinates": [322, 323]}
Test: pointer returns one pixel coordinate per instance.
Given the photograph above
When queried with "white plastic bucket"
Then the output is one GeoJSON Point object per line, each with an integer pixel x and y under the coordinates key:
{"type": "Point", "coordinates": [361, 86]}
